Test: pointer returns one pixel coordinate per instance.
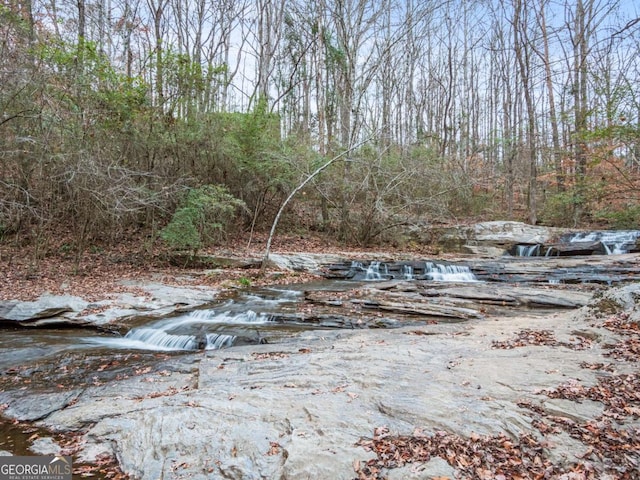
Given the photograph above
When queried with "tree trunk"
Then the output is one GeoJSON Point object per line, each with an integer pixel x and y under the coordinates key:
{"type": "Point", "coordinates": [580, 51]}
{"type": "Point", "coordinates": [81, 35]}
{"type": "Point", "coordinates": [553, 117]}
{"type": "Point", "coordinates": [521, 46]}
{"type": "Point", "coordinates": [158, 12]}
{"type": "Point", "coordinates": [296, 190]}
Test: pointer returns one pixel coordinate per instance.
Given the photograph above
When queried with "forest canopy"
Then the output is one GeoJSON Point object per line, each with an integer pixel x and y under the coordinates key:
{"type": "Point", "coordinates": [147, 115]}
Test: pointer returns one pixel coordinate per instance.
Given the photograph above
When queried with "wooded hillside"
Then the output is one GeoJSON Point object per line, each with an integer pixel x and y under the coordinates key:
{"type": "Point", "coordinates": [188, 119]}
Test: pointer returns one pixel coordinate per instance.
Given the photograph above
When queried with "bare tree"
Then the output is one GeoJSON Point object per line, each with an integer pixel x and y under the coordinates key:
{"type": "Point", "coordinates": [269, 33]}
{"type": "Point", "coordinates": [553, 116]}
{"type": "Point", "coordinates": [522, 50]}
{"type": "Point", "coordinates": [580, 42]}
{"type": "Point", "coordinates": [82, 34]}
{"type": "Point", "coordinates": [157, 10]}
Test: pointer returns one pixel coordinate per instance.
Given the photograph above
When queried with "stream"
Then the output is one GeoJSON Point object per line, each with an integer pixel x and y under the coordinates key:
{"type": "Point", "coordinates": [184, 365]}
{"type": "Point", "coordinates": [278, 314]}
{"type": "Point", "coordinates": [252, 316]}
{"type": "Point", "coordinates": [246, 319]}
{"type": "Point", "coordinates": [356, 294]}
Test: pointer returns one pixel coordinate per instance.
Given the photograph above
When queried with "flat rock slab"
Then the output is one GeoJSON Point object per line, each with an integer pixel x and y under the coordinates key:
{"type": "Point", "coordinates": [41, 311]}
{"type": "Point", "coordinates": [510, 232]}
{"type": "Point", "coordinates": [24, 406]}
{"type": "Point", "coordinates": [497, 233]}
{"type": "Point", "coordinates": [299, 409]}
{"type": "Point", "coordinates": [157, 300]}
{"type": "Point", "coordinates": [445, 300]}
{"type": "Point", "coordinates": [512, 295]}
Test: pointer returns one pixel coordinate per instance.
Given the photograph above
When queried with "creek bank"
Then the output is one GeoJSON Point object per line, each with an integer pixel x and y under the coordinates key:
{"type": "Point", "coordinates": [582, 271]}
{"type": "Point", "coordinates": [153, 300]}
{"type": "Point", "coordinates": [442, 301]}
{"type": "Point", "coordinates": [507, 281]}
{"type": "Point", "coordinates": [301, 409]}
{"type": "Point", "coordinates": [307, 406]}
{"type": "Point", "coordinates": [492, 239]}
{"type": "Point", "coordinates": [496, 237]}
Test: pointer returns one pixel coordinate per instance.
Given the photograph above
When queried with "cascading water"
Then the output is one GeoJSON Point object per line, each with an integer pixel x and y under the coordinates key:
{"type": "Point", "coordinates": [376, 271]}
{"type": "Point", "coordinates": [188, 332]}
{"type": "Point", "coordinates": [407, 272]}
{"type": "Point", "coordinates": [449, 273]}
{"type": "Point", "coordinates": [355, 265]}
{"type": "Point", "coordinates": [527, 250]}
{"type": "Point", "coordinates": [615, 242]}
{"type": "Point", "coordinates": [157, 339]}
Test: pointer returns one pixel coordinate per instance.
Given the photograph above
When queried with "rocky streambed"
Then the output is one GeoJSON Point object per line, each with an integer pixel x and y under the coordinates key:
{"type": "Point", "coordinates": [390, 378]}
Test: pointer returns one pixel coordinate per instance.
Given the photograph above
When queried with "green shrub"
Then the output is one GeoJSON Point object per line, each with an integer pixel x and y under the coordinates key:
{"type": "Point", "coordinates": [627, 218]}
{"type": "Point", "coordinates": [204, 217]}
{"type": "Point", "coordinates": [558, 210]}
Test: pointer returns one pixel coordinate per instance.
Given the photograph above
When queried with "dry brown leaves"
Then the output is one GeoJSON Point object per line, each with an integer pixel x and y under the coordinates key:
{"type": "Point", "coordinates": [627, 349]}
{"type": "Point", "coordinates": [620, 323]}
{"type": "Point", "coordinates": [620, 394]}
{"type": "Point", "coordinates": [617, 446]}
{"type": "Point", "coordinates": [25, 275]}
{"type": "Point", "coordinates": [170, 392]}
{"type": "Point", "coordinates": [605, 367]}
{"type": "Point", "coordinates": [269, 355]}
{"type": "Point", "coordinates": [274, 449]}
{"type": "Point", "coordinates": [526, 337]}
{"type": "Point", "coordinates": [105, 466]}
{"type": "Point", "coordinates": [477, 457]}
{"type": "Point", "coordinates": [98, 277]}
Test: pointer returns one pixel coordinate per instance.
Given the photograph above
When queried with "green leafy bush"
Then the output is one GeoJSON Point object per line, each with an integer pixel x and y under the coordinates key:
{"type": "Point", "coordinates": [204, 217]}
{"type": "Point", "coordinates": [628, 217]}
{"type": "Point", "coordinates": [558, 210]}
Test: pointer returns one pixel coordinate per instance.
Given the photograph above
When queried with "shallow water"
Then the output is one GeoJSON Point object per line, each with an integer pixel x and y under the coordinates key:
{"type": "Point", "coordinates": [261, 315]}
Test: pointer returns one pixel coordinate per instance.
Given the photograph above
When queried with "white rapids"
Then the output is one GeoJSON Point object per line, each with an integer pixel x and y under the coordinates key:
{"type": "Point", "coordinates": [187, 332]}
{"type": "Point", "coordinates": [449, 273]}
{"type": "Point", "coordinates": [615, 242]}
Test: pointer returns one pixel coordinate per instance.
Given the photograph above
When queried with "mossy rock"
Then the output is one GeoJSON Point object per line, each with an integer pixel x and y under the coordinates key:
{"type": "Point", "coordinates": [607, 306]}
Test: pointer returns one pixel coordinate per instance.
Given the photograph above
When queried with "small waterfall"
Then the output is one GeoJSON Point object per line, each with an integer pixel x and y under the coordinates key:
{"type": "Point", "coordinates": [615, 242]}
{"type": "Point", "coordinates": [355, 265]}
{"type": "Point", "coordinates": [449, 273]}
{"type": "Point", "coordinates": [527, 250]}
{"type": "Point", "coordinates": [161, 340]}
{"type": "Point", "coordinates": [217, 341]}
{"type": "Point", "coordinates": [376, 271]}
{"type": "Point", "coordinates": [188, 332]}
{"type": "Point", "coordinates": [407, 272]}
